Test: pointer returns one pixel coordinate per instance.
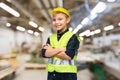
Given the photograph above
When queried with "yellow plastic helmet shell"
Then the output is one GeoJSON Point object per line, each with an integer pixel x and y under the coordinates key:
{"type": "Point", "coordinates": [60, 9]}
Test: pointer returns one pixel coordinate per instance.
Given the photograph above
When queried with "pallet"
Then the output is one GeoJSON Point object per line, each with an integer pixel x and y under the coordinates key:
{"type": "Point", "coordinates": [34, 66]}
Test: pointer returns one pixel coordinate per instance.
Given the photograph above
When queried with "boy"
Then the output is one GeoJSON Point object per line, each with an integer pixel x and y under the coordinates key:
{"type": "Point", "coordinates": [61, 48]}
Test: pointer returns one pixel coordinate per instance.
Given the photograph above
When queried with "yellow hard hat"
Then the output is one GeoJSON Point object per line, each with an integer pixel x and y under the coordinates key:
{"type": "Point", "coordinates": [60, 9]}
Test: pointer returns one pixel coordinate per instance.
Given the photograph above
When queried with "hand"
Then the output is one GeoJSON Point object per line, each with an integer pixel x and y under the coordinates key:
{"type": "Point", "coordinates": [47, 46]}
{"type": "Point", "coordinates": [63, 49]}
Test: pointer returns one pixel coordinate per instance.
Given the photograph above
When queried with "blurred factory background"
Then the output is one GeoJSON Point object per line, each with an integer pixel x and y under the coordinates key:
{"type": "Point", "coordinates": [26, 24]}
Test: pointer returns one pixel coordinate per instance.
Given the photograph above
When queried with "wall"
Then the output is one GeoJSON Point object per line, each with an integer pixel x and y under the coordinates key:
{"type": "Point", "coordinates": [13, 39]}
{"type": "Point", "coordinates": [46, 34]}
{"type": "Point", "coordinates": [106, 40]}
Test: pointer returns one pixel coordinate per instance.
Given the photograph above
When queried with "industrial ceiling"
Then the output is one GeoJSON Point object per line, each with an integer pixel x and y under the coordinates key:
{"type": "Point", "coordinates": [38, 12]}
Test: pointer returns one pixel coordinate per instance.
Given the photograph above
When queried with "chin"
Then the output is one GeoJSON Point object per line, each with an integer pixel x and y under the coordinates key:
{"type": "Point", "coordinates": [58, 29]}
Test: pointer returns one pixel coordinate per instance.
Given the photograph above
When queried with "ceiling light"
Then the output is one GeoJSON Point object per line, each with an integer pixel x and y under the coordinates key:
{"type": "Point", "coordinates": [97, 31]}
{"type": "Point", "coordinates": [93, 16]}
{"type": "Point", "coordinates": [41, 29]}
{"type": "Point", "coordinates": [8, 24]}
{"type": "Point", "coordinates": [20, 28]}
{"type": "Point", "coordinates": [8, 0]}
{"type": "Point", "coordinates": [92, 33]}
{"type": "Point", "coordinates": [30, 31]}
{"type": "Point", "coordinates": [36, 34]}
{"type": "Point", "coordinates": [119, 24]}
{"type": "Point", "coordinates": [85, 21]}
{"type": "Point", "coordinates": [33, 24]}
{"type": "Point", "coordinates": [85, 33]}
{"type": "Point", "coordinates": [111, 0]}
{"type": "Point", "coordinates": [70, 29]}
{"type": "Point", "coordinates": [108, 27]}
{"type": "Point", "coordinates": [9, 9]}
{"type": "Point", "coordinates": [100, 7]}
{"type": "Point", "coordinates": [77, 28]}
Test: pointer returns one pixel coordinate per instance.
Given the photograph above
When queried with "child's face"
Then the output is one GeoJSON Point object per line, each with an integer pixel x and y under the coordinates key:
{"type": "Point", "coordinates": [60, 21]}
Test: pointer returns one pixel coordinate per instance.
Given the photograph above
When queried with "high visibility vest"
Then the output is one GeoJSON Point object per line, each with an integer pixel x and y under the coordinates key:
{"type": "Point", "coordinates": [57, 64]}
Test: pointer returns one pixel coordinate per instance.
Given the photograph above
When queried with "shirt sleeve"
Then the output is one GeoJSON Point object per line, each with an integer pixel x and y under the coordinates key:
{"type": "Point", "coordinates": [44, 50]}
{"type": "Point", "coordinates": [72, 46]}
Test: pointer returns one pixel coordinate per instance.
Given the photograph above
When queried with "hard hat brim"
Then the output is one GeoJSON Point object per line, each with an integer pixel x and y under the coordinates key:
{"type": "Point", "coordinates": [59, 9]}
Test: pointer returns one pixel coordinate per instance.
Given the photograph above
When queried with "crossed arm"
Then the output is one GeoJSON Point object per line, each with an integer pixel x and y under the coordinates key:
{"type": "Point", "coordinates": [58, 52]}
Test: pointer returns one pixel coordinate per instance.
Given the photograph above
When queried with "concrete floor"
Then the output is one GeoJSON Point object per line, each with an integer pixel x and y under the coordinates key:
{"type": "Point", "coordinates": [32, 75]}
{"type": "Point", "coordinates": [23, 74]}
{"type": "Point", "coordinates": [28, 74]}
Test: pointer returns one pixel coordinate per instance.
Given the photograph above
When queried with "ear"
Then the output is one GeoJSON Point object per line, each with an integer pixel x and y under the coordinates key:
{"type": "Point", "coordinates": [68, 19]}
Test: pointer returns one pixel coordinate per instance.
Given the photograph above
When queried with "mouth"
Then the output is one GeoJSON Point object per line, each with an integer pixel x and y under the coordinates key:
{"type": "Point", "coordinates": [57, 26]}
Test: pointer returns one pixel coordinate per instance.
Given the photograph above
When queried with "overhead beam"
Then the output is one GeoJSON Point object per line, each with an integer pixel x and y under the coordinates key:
{"type": "Point", "coordinates": [42, 10]}
{"type": "Point", "coordinates": [44, 7]}
{"type": "Point", "coordinates": [26, 12]}
{"type": "Point", "coordinates": [60, 3]}
{"type": "Point", "coordinates": [51, 6]}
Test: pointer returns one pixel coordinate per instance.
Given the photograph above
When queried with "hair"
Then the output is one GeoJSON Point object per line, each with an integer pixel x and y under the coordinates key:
{"type": "Point", "coordinates": [63, 13]}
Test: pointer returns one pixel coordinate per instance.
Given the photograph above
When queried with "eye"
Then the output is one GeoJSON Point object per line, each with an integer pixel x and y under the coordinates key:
{"type": "Point", "coordinates": [53, 19]}
{"type": "Point", "coordinates": [59, 18]}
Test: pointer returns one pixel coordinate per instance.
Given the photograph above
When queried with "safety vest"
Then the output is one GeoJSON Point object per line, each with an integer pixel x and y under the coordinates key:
{"type": "Point", "coordinates": [57, 64]}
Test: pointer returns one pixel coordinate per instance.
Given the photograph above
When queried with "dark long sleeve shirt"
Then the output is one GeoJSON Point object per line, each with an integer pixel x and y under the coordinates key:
{"type": "Point", "coordinates": [71, 48]}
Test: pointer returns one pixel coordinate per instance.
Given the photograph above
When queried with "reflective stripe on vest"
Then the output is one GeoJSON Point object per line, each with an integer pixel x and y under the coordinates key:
{"type": "Point", "coordinates": [57, 64]}
{"type": "Point", "coordinates": [62, 62]}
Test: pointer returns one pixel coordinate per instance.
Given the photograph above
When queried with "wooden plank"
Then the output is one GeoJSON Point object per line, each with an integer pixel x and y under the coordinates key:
{"type": "Point", "coordinates": [113, 71]}
{"type": "Point", "coordinates": [34, 66]}
{"type": "Point", "coordinates": [7, 71]}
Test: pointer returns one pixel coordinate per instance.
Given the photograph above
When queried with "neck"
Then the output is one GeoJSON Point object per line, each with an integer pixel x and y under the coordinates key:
{"type": "Point", "coordinates": [61, 31]}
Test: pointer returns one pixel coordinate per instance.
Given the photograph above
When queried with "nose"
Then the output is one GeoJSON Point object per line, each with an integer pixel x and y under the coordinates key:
{"type": "Point", "coordinates": [56, 21]}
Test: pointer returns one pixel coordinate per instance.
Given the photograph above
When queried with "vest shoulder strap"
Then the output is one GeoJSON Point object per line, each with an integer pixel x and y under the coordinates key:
{"type": "Point", "coordinates": [63, 40]}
